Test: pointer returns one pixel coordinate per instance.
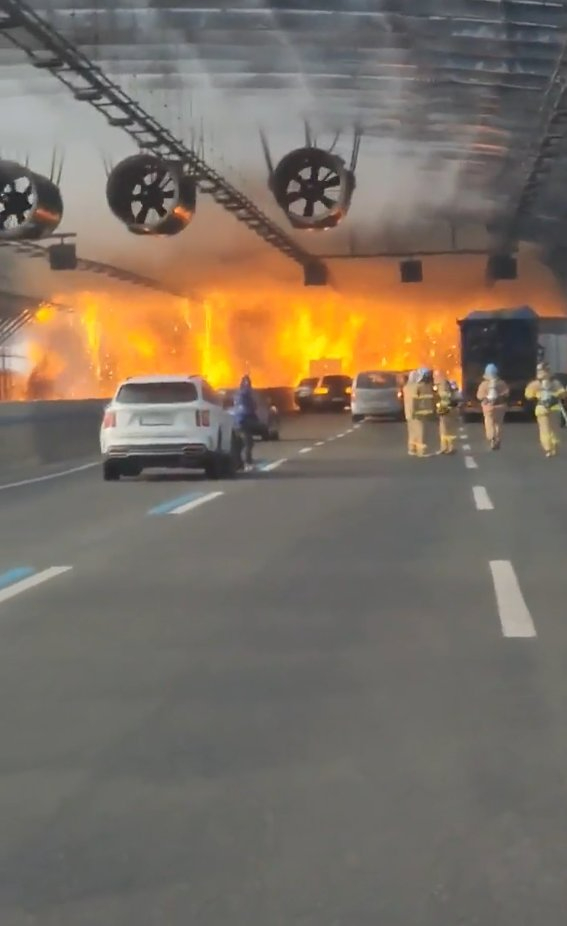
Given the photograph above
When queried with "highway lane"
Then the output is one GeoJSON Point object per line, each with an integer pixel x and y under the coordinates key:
{"type": "Point", "coordinates": [59, 516]}
{"type": "Point", "coordinates": [293, 705]}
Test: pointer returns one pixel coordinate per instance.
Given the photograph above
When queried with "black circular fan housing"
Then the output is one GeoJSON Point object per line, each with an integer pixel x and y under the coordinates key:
{"type": "Point", "coordinates": [313, 187]}
{"type": "Point", "coordinates": [152, 196]}
{"type": "Point", "coordinates": [30, 205]}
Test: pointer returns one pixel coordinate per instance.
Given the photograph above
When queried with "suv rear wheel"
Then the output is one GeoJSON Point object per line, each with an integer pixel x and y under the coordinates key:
{"type": "Point", "coordinates": [110, 470]}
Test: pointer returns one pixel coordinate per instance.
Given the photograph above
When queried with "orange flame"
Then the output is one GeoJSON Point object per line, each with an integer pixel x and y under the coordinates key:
{"type": "Point", "coordinates": [272, 332]}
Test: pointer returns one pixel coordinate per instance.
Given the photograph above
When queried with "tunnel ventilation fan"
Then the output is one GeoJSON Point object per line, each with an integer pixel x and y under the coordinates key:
{"type": "Point", "coordinates": [30, 204]}
{"type": "Point", "coordinates": [152, 196]}
{"type": "Point", "coordinates": [313, 186]}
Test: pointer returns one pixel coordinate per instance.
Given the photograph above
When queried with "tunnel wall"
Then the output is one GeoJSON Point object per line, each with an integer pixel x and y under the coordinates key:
{"type": "Point", "coordinates": [49, 432]}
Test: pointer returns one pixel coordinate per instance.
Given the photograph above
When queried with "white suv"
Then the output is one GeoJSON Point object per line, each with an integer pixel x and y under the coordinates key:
{"type": "Point", "coordinates": [167, 421]}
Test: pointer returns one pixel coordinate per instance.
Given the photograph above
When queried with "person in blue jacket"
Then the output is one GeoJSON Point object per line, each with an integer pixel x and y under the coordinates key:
{"type": "Point", "coordinates": [245, 417]}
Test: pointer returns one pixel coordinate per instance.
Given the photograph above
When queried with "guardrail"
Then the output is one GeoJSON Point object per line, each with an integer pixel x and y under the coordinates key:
{"type": "Point", "coordinates": [49, 432]}
{"type": "Point", "coordinates": [44, 432]}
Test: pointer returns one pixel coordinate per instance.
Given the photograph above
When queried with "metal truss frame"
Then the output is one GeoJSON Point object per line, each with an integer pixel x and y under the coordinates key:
{"type": "Point", "coordinates": [87, 82]}
{"type": "Point", "coordinates": [33, 250]}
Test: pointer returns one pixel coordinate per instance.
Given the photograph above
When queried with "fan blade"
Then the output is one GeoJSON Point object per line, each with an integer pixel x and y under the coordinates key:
{"type": "Point", "coordinates": [309, 209]}
{"type": "Point", "coordinates": [21, 217]}
{"type": "Point", "coordinates": [315, 168]}
{"type": "Point", "coordinates": [328, 203]}
{"type": "Point", "coordinates": [332, 182]}
{"type": "Point", "coordinates": [153, 187]}
{"type": "Point", "coordinates": [166, 179]}
{"type": "Point", "coordinates": [142, 214]}
{"type": "Point", "coordinates": [168, 194]}
{"type": "Point", "coordinates": [161, 211]}
{"type": "Point", "coordinates": [293, 197]}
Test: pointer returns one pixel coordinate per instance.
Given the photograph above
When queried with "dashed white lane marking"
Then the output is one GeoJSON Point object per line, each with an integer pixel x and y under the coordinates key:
{"type": "Point", "coordinates": [58, 475]}
{"type": "Point", "coordinates": [466, 446]}
{"type": "Point", "coordinates": [319, 443]}
{"type": "Point", "coordinates": [342, 434]}
{"type": "Point", "coordinates": [38, 579]}
{"type": "Point", "coordinates": [196, 502]}
{"type": "Point", "coordinates": [271, 466]}
{"type": "Point", "coordinates": [329, 439]}
{"type": "Point", "coordinates": [306, 450]}
{"type": "Point", "coordinates": [470, 462]}
{"type": "Point", "coordinates": [482, 499]}
{"type": "Point", "coordinates": [513, 611]}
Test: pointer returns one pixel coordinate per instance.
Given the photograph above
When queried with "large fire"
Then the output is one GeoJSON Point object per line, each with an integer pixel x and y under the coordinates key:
{"type": "Point", "coordinates": [273, 333]}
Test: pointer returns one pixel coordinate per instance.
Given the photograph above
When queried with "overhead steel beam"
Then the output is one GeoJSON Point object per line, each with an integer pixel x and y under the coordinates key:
{"type": "Point", "coordinates": [24, 310]}
{"type": "Point", "coordinates": [87, 82]}
{"type": "Point", "coordinates": [34, 250]}
{"type": "Point", "coordinates": [400, 255]}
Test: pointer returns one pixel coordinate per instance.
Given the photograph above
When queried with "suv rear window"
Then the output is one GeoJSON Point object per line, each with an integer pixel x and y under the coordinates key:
{"type": "Point", "coordinates": [376, 380]}
{"type": "Point", "coordinates": [335, 380]}
{"type": "Point", "coordinates": [309, 381]}
{"type": "Point", "coordinates": [157, 393]}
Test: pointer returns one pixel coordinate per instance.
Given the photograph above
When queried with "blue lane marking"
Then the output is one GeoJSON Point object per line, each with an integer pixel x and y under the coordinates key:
{"type": "Point", "coordinates": [173, 503]}
{"type": "Point", "coordinates": [15, 575]}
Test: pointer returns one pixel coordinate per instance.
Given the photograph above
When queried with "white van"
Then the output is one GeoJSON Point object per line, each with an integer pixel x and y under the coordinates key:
{"type": "Point", "coordinates": [377, 394]}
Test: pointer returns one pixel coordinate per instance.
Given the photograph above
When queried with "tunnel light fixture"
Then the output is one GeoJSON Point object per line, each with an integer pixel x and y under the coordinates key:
{"type": "Point", "coordinates": [502, 267]}
{"type": "Point", "coordinates": [315, 274]}
{"type": "Point", "coordinates": [63, 257]}
{"type": "Point", "coordinates": [411, 271]}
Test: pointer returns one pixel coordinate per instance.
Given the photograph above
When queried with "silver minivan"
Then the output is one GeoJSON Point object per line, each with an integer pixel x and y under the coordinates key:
{"type": "Point", "coordinates": [377, 394]}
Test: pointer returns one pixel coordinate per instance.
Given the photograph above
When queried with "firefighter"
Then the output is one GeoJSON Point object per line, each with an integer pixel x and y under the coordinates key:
{"type": "Point", "coordinates": [408, 397]}
{"type": "Point", "coordinates": [423, 409]}
{"type": "Point", "coordinates": [447, 407]}
{"type": "Point", "coordinates": [493, 395]}
{"type": "Point", "coordinates": [547, 393]}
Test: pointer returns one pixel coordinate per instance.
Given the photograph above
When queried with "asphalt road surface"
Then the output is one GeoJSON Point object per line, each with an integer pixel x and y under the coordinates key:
{"type": "Point", "coordinates": [333, 695]}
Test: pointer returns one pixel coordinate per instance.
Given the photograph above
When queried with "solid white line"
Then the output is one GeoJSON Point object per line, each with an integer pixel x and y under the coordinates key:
{"type": "Point", "coordinates": [271, 466]}
{"type": "Point", "coordinates": [18, 587]}
{"type": "Point", "coordinates": [482, 499]}
{"type": "Point", "coordinates": [306, 450]}
{"type": "Point", "coordinates": [470, 463]}
{"type": "Point", "coordinates": [466, 446]}
{"type": "Point", "coordinates": [59, 475]}
{"type": "Point", "coordinates": [513, 611]}
{"type": "Point", "coordinates": [196, 503]}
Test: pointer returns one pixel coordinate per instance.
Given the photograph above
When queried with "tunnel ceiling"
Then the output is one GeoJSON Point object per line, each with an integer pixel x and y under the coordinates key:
{"type": "Point", "coordinates": [467, 94]}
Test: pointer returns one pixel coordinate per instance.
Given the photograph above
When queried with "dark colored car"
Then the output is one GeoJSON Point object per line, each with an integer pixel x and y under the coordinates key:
{"type": "Point", "coordinates": [324, 393]}
{"type": "Point", "coordinates": [268, 419]}
{"type": "Point", "coordinates": [303, 392]}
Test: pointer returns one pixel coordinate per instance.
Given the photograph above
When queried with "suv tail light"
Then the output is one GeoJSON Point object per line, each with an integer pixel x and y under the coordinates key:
{"type": "Point", "coordinates": [202, 418]}
{"type": "Point", "coordinates": [109, 420]}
